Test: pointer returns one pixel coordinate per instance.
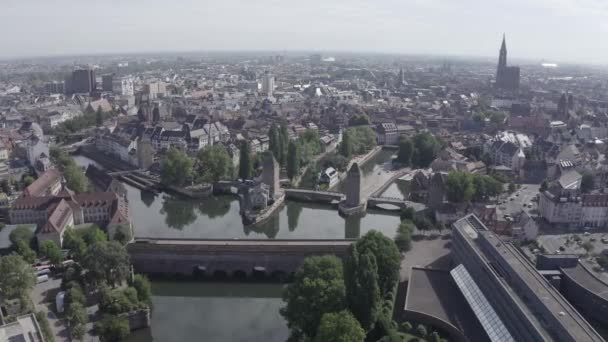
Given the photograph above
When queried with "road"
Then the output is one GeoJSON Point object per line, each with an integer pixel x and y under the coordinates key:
{"type": "Point", "coordinates": [43, 296]}
{"type": "Point", "coordinates": [519, 200]}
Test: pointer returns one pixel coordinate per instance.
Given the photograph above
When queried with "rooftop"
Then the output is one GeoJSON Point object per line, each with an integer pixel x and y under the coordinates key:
{"type": "Point", "coordinates": [433, 292]}
{"type": "Point", "coordinates": [521, 273]}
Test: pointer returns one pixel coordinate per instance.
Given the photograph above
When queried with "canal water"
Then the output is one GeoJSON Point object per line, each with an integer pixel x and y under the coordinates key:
{"type": "Point", "coordinates": [215, 312]}
{"type": "Point", "coordinates": [243, 312]}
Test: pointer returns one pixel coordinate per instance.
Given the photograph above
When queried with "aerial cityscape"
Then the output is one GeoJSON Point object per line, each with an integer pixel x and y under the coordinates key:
{"type": "Point", "coordinates": [303, 195]}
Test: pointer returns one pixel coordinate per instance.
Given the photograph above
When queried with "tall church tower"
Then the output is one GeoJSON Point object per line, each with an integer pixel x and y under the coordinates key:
{"type": "Point", "coordinates": [507, 77]}
{"type": "Point", "coordinates": [502, 57]}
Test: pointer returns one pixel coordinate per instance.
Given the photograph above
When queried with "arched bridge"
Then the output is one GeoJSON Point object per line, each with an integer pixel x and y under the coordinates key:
{"type": "Point", "coordinates": [313, 195]}
{"type": "Point", "coordinates": [397, 202]}
{"type": "Point", "coordinates": [244, 257]}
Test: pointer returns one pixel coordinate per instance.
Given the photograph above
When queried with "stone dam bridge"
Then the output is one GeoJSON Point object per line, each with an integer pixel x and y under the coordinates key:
{"type": "Point", "coordinates": [228, 258]}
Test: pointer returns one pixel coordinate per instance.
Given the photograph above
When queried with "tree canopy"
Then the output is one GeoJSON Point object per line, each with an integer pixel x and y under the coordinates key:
{"type": "Point", "coordinates": [357, 140]}
{"type": "Point", "coordinates": [362, 287]}
{"type": "Point", "coordinates": [74, 175]}
{"type": "Point", "coordinates": [426, 147]}
{"type": "Point", "coordinates": [388, 259]}
{"type": "Point", "coordinates": [107, 261]}
{"type": "Point", "coordinates": [587, 182]}
{"type": "Point", "coordinates": [50, 250]}
{"type": "Point", "coordinates": [215, 164]}
{"type": "Point", "coordinates": [406, 151]}
{"type": "Point", "coordinates": [293, 160]}
{"type": "Point", "coordinates": [21, 233]}
{"type": "Point", "coordinates": [17, 277]}
{"type": "Point", "coordinates": [318, 288]}
{"type": "Point", "coordinates": [176, 168]}
{"type": "Point", "coordinates": [245, 161]}
{"type": "Point", "coordinates": [464, 187]}
{"type": "Point", "coordinates": [339, 327]}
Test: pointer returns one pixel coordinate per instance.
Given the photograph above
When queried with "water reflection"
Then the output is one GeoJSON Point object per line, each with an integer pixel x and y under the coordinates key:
{"type": "Point", "coordinates": [147, 198]}
{"type": "Point", "coordinates": [293, 215]}
{"type": "Point", "coordinates": [178, 213]}
{"type": "Point", "coordinates": [218, 218]}
{"type": "Point", "coordinates": [232, 312]}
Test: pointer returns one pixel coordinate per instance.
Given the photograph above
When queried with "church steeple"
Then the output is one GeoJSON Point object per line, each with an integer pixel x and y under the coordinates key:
{"type": "Point", "coordinates": [502, 59]}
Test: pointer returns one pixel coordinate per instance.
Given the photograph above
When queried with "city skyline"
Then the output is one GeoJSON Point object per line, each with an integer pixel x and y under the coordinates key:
{"type": "Point", "coordinates": [438, 27]}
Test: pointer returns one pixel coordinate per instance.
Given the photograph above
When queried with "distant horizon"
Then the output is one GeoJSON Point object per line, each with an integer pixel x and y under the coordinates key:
{"type": "Point", "coordinates": [302, 53]}
{"type": "Point", "coordinates": [560, 31]}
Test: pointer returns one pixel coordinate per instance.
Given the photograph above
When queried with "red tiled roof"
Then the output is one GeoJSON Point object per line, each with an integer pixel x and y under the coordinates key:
{"type": "Point", "coordinates": [58, 218]}
{"type": "Point", "coordinates": [43, 182]}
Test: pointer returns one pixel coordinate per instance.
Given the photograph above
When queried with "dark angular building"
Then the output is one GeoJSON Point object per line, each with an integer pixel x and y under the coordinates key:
{"type": "Point", "coordinates": [507, 77]}
{"type": "Point", "coordinates": [83, 81]}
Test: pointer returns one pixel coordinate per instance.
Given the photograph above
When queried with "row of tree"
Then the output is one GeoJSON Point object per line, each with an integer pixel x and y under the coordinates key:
{"type": "Point", "coordinates": [331, 301]}
{"type": "Point", "coordinates": [357, 140]}
{"type": "Point", "coordinates": [212, 164]}
{"type": "Point", "coordinates": [465, 187]}
{"type": "Point", "coordinates": [74, 176]}
{"type": "Point", "coordinates": [418, 151]}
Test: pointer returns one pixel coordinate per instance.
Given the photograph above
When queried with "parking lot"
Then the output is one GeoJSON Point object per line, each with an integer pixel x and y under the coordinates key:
{"type": "Point", "coordinates": [575, 243]}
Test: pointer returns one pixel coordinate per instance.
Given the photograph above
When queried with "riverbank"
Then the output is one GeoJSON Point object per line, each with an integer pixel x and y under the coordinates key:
{"type": "Point", "coordinates": [359, 160]}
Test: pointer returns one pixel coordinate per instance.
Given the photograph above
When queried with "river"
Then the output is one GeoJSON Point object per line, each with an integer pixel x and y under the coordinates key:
{"type": "Point", "coordinates": [215, 312]}
{"type": "Point", "coordinates": [218, 312]}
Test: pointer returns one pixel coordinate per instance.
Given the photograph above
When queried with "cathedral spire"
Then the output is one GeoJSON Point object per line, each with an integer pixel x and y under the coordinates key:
{"type": "Point", "coordinates": [502, 59]}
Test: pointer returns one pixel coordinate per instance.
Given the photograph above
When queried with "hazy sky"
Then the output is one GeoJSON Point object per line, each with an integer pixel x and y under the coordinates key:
{"type": "Point", "coordinates": [560, 30]}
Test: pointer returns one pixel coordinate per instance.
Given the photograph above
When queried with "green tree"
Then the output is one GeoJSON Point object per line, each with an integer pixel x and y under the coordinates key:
{"type": "Point", "coordinates": [498, 118]}
{"type": "Point", "coordinates": [76, 314]}
{"type": "Point", "coordinates": [362, 287]}
{"type": "Point", "coordinates": [75, 243]}
{"type": "Point", "coordinates": [50, 250]}
{"type": "Point", "coordinates": [23, 248]}
{"type": "Point", "coordinates": [123, 234]}
{"type": "Point", "coordinates": [17, 277]}
{"type": "Point", "coordinates": [318, 288]}
{"type": "Point", "coordinates": [99, 117]}
{"type": "Point", "coordinates": [284, 137]}
{"type": "Point", "coordinates": [293, 160]}
{"type": "Point", "coordinates": [459, 187]}
{"type": "Point", "coordinates": [75, 178]}
{"type": "Point", "coordinates": [512, 187]}
{"type": "Point", "coordinates": [216, 164]}
{"type": "Point", "coordinates": [274, 141]}
{"type": "Point", "coordinates": [77, 332]}
{"type": "Point", "coordinates": [339, 327]}
{"type": "Point", "coordinates": [403, 239]}
{"type": "Point", "coordinates": [421, 330]}
{"type": "Point", "coordinates": [74, 294]}
{"type": "Point", "coordinates": [426, 148]}
{"type": "Point", "coordinates": [434, 337]}
{"type": "Point", "coordinates": [245, 162]}
{"type": "Point", "coordinates": [27, 180]}
{"type": "Point", "coordinates": [359, 120]}
{"type": "Point", "coordinates": [143, 288]}
{"type": "Point", "coordinates": [176, 168]}
{"type": "Point", "coordinates": [6, 188]}
{"type": "Point", "coordinates": [113, 328]}
{"type": "Point", "coordinates": [21, 233]}
{"type": "Point", "coordinates": [544, 186]}
{"type": "Point", "coordinates": [107, 261]}
{"type": "Point", "coordinates": [94, 234]}
{"type": "Point", "coordinates": [387, 257]}
{"type": "Point", "coordinates": [587, 182]}
{"type": "Point", "coordinates": [406, 151]}
{"type": "Point", "coordinates": [346, 147]}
